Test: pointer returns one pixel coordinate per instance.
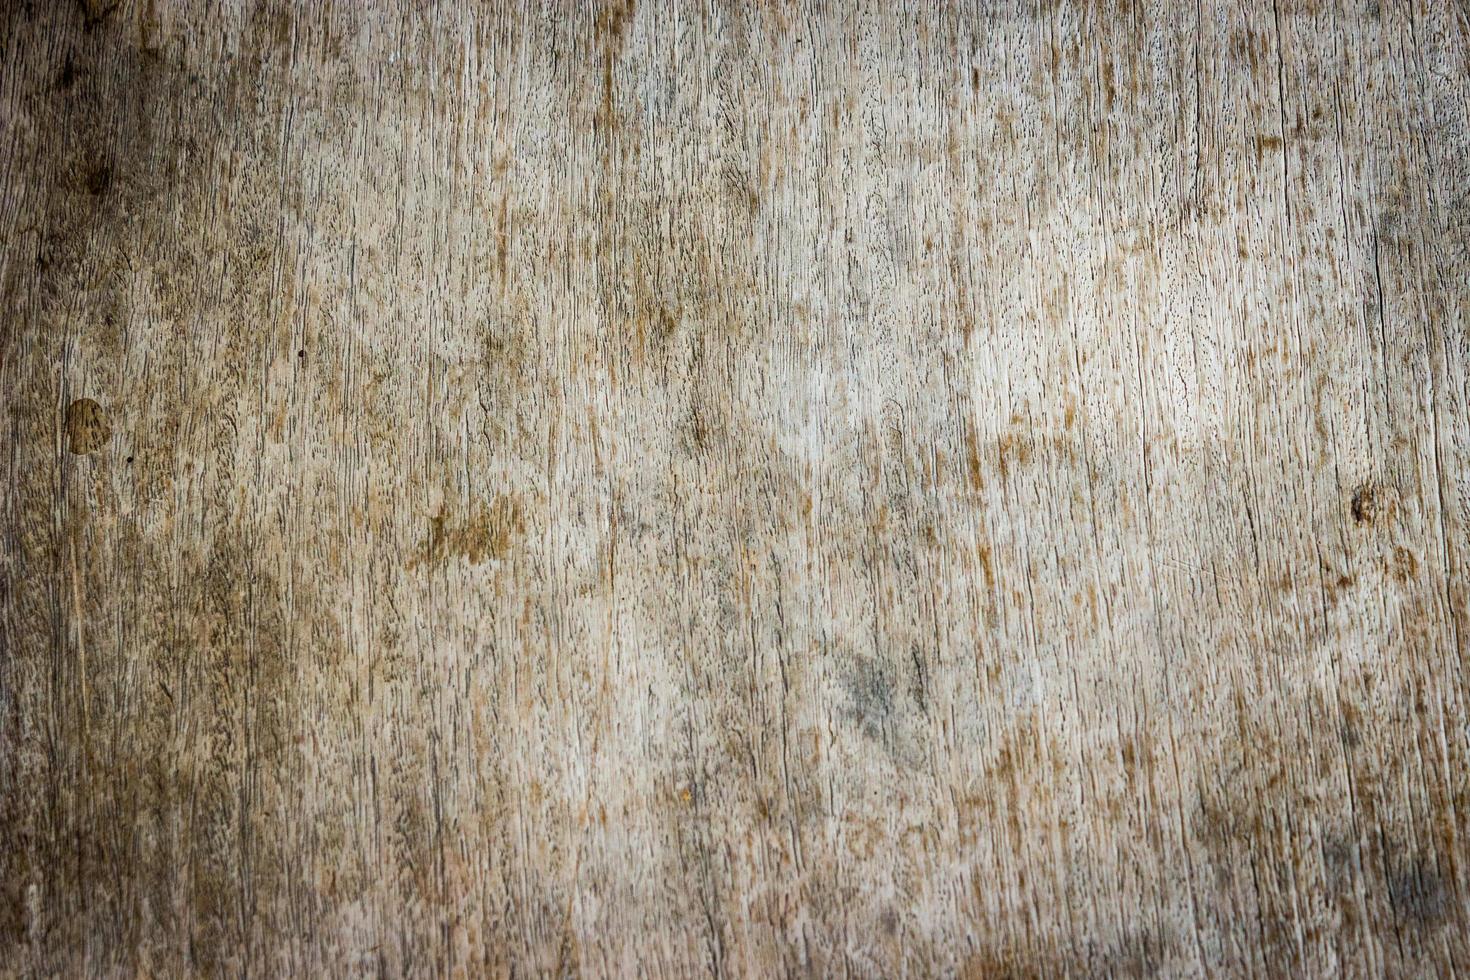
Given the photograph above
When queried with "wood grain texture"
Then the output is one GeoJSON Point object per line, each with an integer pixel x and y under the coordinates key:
{"type": "Point", "coordinates": [749, 489]}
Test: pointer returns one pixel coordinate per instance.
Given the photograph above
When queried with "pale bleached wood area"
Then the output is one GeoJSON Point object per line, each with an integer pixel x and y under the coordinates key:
{"type": "Point", "coordinates": [851, 489]}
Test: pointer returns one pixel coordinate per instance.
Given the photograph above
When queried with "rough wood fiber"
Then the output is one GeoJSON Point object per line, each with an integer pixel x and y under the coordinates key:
{"type": "Point", "coordinates": [739, 489]}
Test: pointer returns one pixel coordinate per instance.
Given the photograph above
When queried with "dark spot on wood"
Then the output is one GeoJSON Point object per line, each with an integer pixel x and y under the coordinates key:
{"type": "Point", "coordinates": [1364, 504]}
{"type": "Point", "coordinates": [918, 689]}
{"type": "Point", "coordinates": [699, 428]}
{"type": "Point", "coordinates": [870, 698]}
{"type": "Point", "coordinates": [97, 179]}
{"type": "Point", "coordinates": [95, 12]}
{"type": "Point", "coordinates": [67, 77]}
{"type": "Point", "coordinates": [87, 427]}
{"type": "Point", "coordinates": [1418, 894]}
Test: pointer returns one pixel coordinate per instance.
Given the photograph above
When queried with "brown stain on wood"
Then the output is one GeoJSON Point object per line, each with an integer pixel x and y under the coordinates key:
{"type": "Point", "coordinates": [87, 427]}
{"type": "Point", "coordinates": [486, 531]}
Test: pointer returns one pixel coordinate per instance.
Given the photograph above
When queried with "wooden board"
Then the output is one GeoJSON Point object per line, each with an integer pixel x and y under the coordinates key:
{"type": "Point", "coordinates": [748, 489]}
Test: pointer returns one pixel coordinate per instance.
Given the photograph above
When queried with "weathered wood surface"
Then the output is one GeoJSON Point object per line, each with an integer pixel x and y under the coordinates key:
{"type": "Point", "coordinates": [739, 489]}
